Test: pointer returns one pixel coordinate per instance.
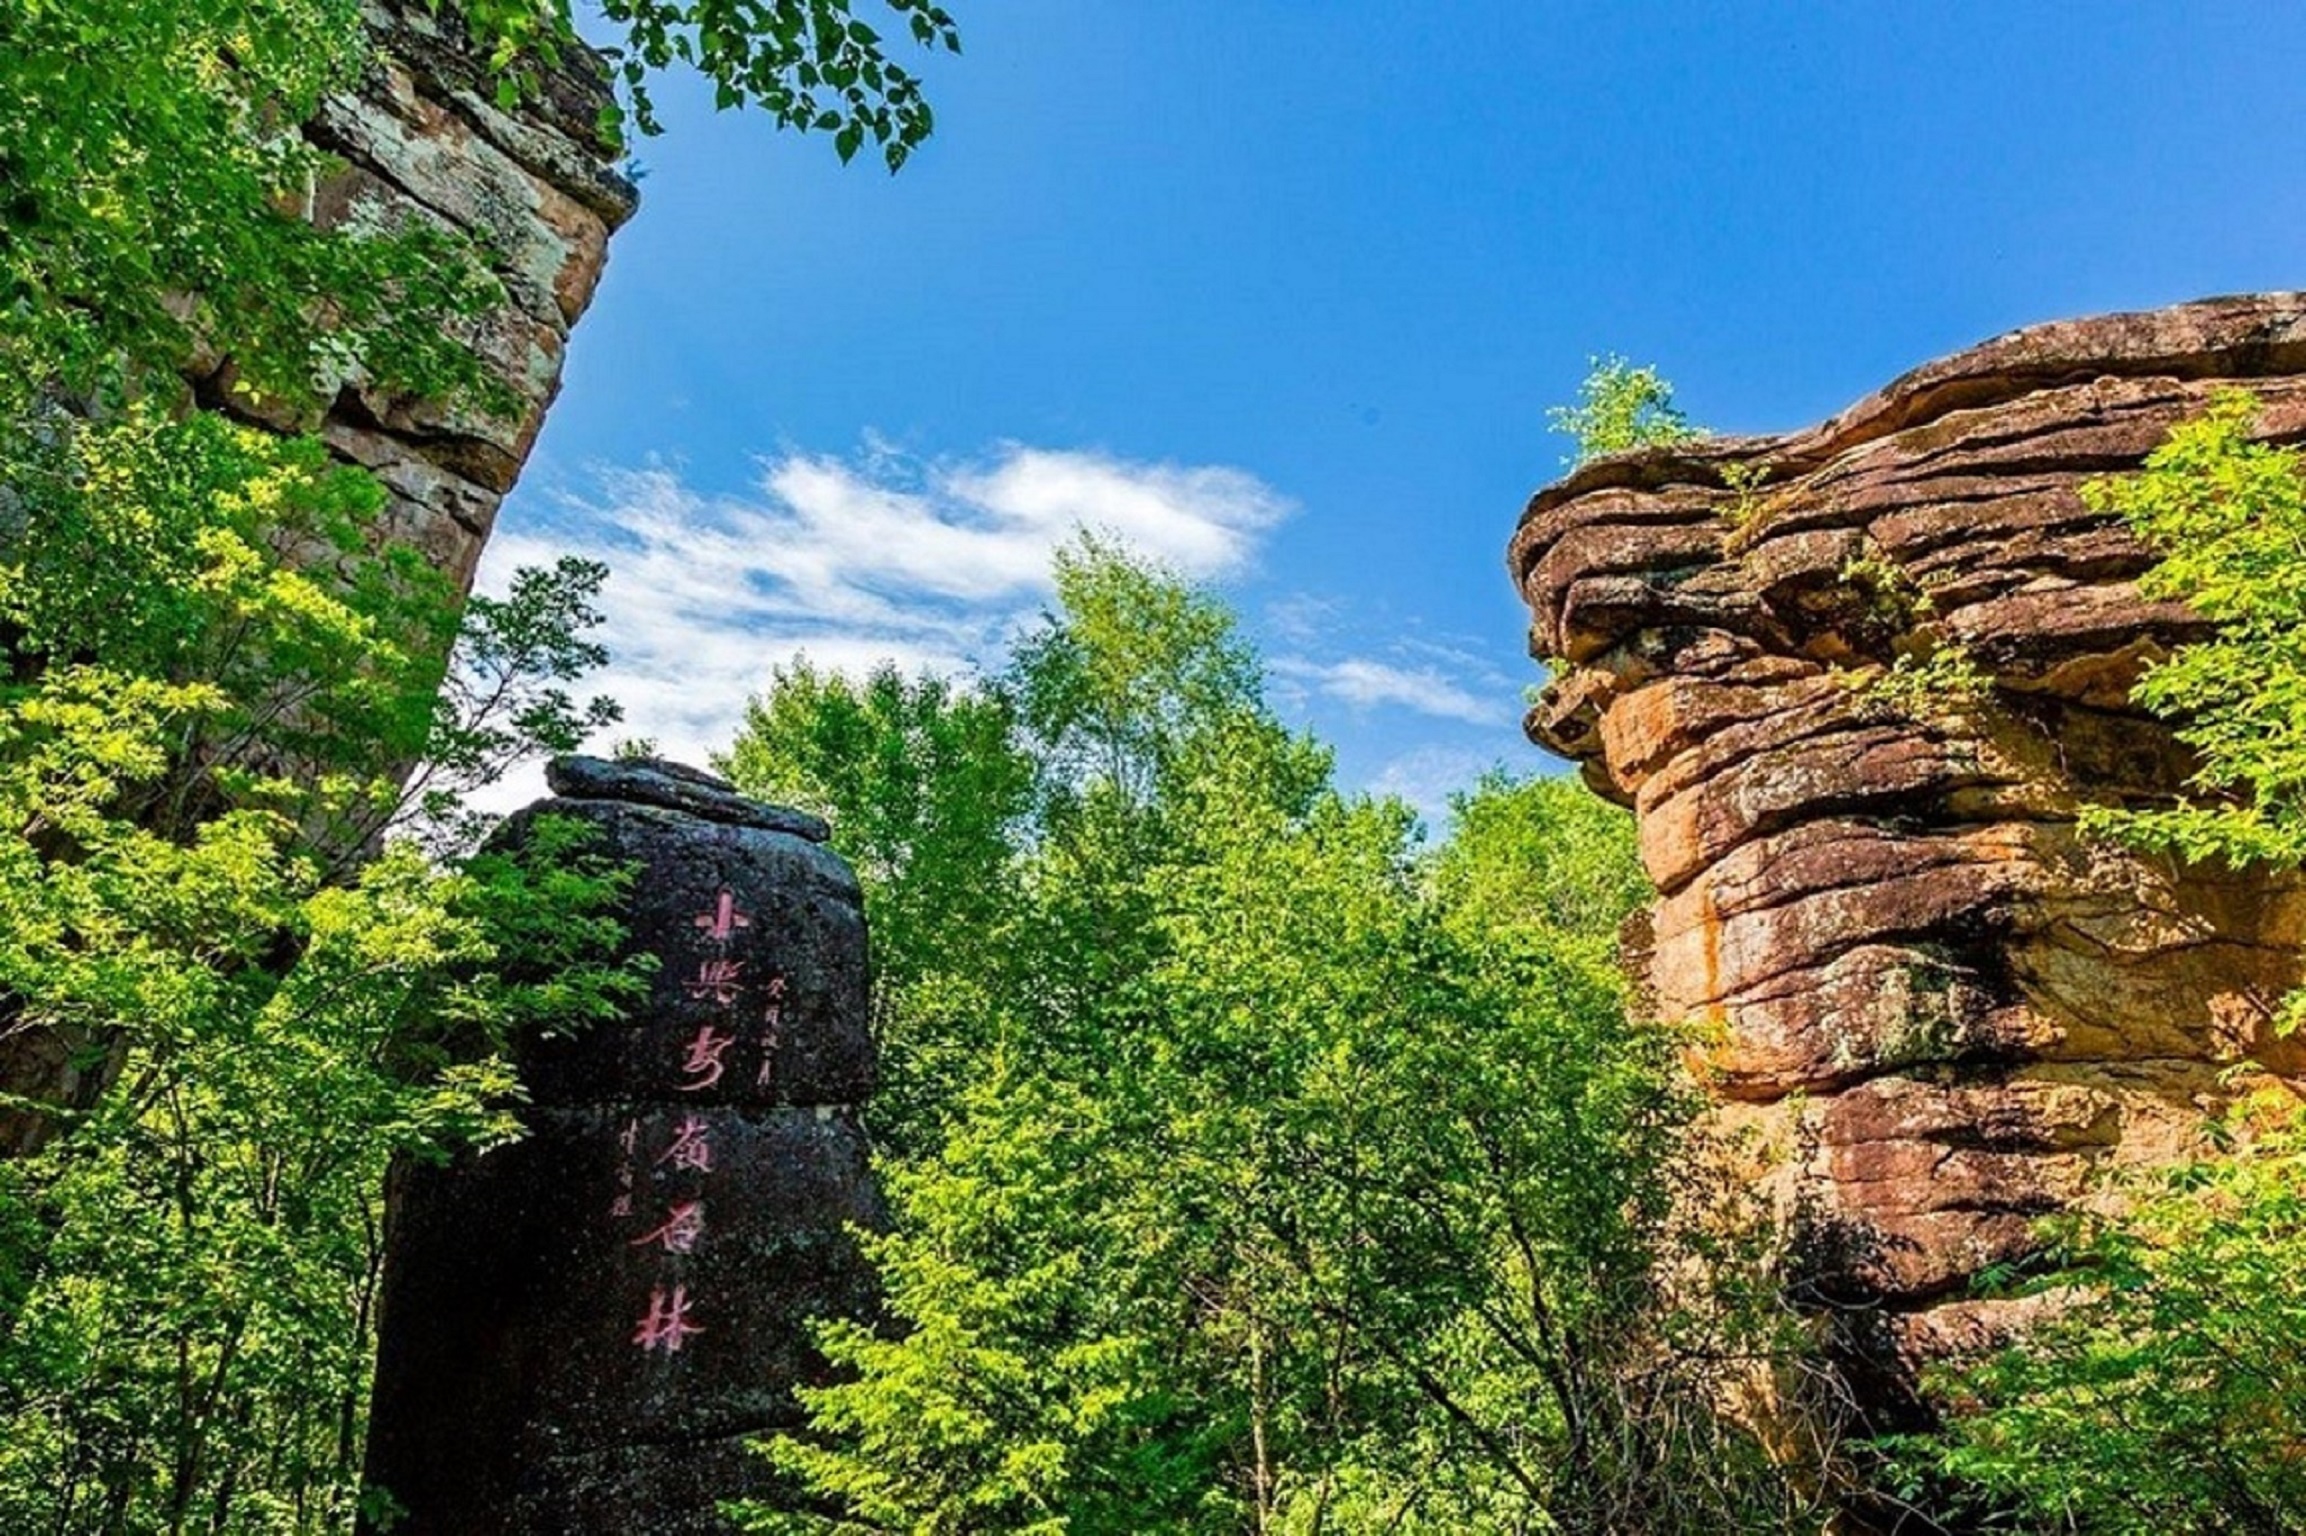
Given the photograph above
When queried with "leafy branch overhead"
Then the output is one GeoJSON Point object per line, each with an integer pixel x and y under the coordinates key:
{"type": "Point", "coordinates": [812, 65]}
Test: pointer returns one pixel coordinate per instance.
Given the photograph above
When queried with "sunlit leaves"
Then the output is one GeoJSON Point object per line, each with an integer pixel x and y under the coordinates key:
{"type": "Point", "coordinates": [156, 180]}
{"type": "Point", "coordinates": [1620, 407]}
{"type": "Point", "coordinates": [2228, 516]}
{"type": "Point", "coordinates": [2167, 1392]}
{"type": "Point", "coordinates": [811, 65]}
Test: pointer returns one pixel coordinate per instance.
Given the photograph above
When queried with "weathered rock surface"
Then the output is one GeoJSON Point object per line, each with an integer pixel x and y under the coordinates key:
{"type": "Point", "coordinates": [1942, 1013]}
{"type": "Point", "coordinates": [536, 187]}
{"type": "Point", "coordinates": [581, 1331]}
{"type": "Point", "coordinates": [423, 139]}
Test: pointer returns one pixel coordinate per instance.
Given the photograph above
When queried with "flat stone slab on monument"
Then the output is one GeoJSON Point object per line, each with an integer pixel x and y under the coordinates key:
{"type": "Point", "coordinates": [676, 787]}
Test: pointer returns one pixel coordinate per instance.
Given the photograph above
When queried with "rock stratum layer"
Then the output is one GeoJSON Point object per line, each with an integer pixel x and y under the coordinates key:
{"type": "Point", "coordinates": [1942, 1012]}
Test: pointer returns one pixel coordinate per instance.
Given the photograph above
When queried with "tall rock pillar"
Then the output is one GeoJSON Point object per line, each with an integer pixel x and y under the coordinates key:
{"type": "Point", "coordinates": [536, 188]}
{"type": "Point", "coordinates": [1943, 1012]}
{"type": "Point", "coordinates": [581, 1331]}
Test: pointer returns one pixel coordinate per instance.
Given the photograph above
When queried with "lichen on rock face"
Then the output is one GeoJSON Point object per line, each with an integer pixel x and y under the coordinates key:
{"type": "Point", "coordinates": [424, 140]}
{"type": "Point", "coordinates": [1857, 714]}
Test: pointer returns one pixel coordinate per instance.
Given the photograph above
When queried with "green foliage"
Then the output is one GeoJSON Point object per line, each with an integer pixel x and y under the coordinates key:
{"type": "Point", "coordinates": [187, 1336]}
{"type": "Point", "coordinates": [231, 989]}
{"type": "Point", "coordinates": [812, 65]}
{"type": "Point", "coordinates": [1945, 680]}
{"type": "Point", "coordinates": [1296, 1181]}
{"type": "Point", "coordinates": [208, 677]}
{"type": "Point", "coordinates": [927, 790]}
{"type": "Point", "coordinates": [157, 549]}
{"type": "Point", "coordinates": [1115, 691]}
{"type": "Point", "coordinates": [1744, 479]}
{"type": "Point", "coordinates": [1620, 408]}
{"type": "Point", "coordinates": [2170, 1394]}
{"type": "Point", "coordinates": [2228, 516]}
{"type": "Point", "coordinates": [506, 700]}
{"type": "Point", "coordinates": [227, 997]}
{"type": "Point", "coordinates": [1545, 857]}
{"type": "Point", "coordinates": [156, 181]}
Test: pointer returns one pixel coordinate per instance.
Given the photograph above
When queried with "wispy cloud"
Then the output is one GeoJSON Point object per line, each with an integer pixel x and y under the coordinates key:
{"type": "Point", "coordinates": [853, 561]}
{"type": "Point", "coordinates": [1427, 776]}
{"type": "Point", "coordinates": [1302, 619]}
{"type": "Point", "coordinates": [1366, 683]}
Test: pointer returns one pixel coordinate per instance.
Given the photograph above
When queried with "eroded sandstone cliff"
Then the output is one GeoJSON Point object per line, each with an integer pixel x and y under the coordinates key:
{"type": "Point", "coordinates": [538, 190]}
{"type": "Point", "coordinates": [1939, 1011]}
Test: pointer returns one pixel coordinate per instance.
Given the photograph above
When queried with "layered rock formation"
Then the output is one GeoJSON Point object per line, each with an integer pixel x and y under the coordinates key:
{"type": "Point", "coordinates": [538, 190]}
{"type": "Point", "coordinates": [1941, 1013]}
{"type": "Point", "coordinates": [581, 1332]}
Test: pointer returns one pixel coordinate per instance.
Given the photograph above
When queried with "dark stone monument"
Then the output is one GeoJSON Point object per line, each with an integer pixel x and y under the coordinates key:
{"type": "Point", "coordinates": [581, 1331]}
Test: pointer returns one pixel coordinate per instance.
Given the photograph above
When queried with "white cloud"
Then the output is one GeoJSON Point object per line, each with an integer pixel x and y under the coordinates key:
{"type": "Point", "coordinates": [855, 561]}
{"type": "Point", "coordinates": [1427, 776]}
{"type": "Point", "coordinates": [1366, 683]}
{"type": "Point", "coordinates": [1301, 618]}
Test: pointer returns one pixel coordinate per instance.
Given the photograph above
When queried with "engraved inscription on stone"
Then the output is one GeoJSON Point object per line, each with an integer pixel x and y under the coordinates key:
{"type": "Point", "coordinates": [582, 1330]}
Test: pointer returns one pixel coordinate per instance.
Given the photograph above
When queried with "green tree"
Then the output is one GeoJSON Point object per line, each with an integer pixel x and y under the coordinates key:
{"type": "Point", "coordinates": [813, 65]}
{"type": "Point", "coordinates": [1619, 408]}
{"type": "Point", "coordinates": [188, 1245]}
{"type": "Point", "coordinates": [1301, 1183]}
{"type": "Point", "coordinates": [200, 723]}
{"type": "Point", "coordinates": [927, 789]}
{"type": "Point", "coordinates": [2167, 1391]}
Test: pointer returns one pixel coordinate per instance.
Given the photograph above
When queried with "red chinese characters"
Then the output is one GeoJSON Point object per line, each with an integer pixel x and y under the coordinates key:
{"type": "Point", "coordinates": [691, 1148]}
{"type": "Point", "coordinates": [721, 924]}
{"type": "Point", "coordinates": [667, 1325]}
{"type": "Point", "coordinates": [717, 979]}
{"type": "Point", "coordinates": [703, 1063]}
{"type": "Point", "coordinates": [683, 1229]}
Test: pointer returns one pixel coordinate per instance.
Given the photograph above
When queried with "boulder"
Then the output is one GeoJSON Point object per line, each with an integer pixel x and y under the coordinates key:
{"type": "Point", "coordinates": [582, 1331]}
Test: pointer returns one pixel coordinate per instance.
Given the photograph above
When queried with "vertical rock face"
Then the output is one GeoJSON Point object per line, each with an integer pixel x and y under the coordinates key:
{"type": "Point", "coordinates": [580, 1331]}
{"type": "Point", "coordinates": [423, 139]}
{"type": "Point", "coordinates": [1941, 1011]}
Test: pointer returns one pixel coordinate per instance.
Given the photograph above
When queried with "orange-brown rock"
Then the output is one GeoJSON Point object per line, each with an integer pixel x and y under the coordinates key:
{"type": "Point", "coordinates": [535, 187]}
{"type": "Point", "coordinates": [1941, 1011]}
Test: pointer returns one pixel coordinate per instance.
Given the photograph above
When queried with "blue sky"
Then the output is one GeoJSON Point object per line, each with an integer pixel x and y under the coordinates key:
{"type": "Point", "coordinates": [1282, 291]}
